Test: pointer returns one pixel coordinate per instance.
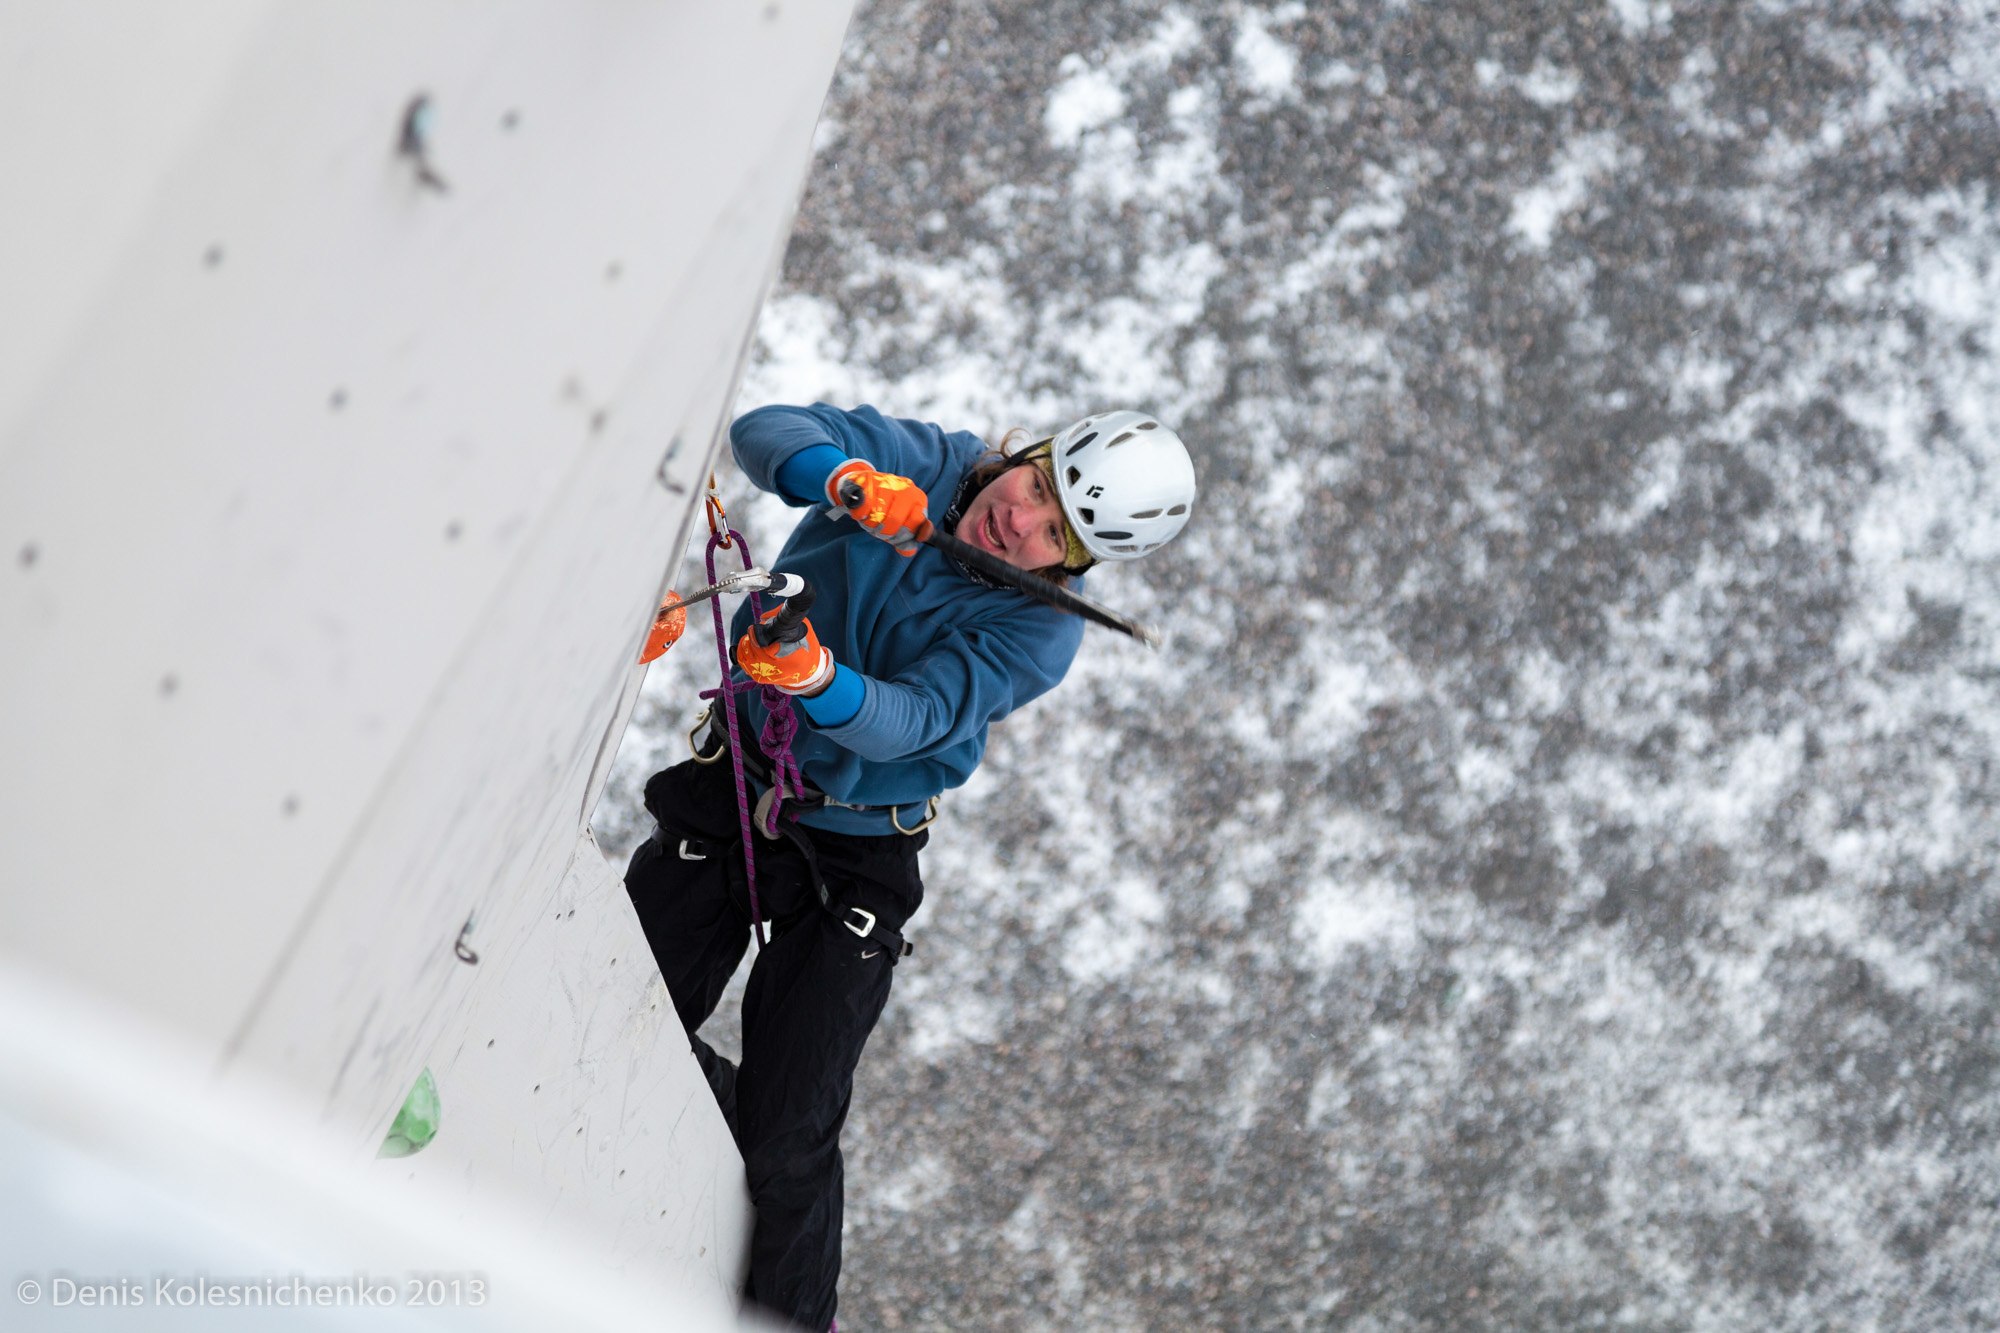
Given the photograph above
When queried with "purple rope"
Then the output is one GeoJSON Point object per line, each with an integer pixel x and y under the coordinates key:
{"type": "Point", "coordinates": [776, 738]}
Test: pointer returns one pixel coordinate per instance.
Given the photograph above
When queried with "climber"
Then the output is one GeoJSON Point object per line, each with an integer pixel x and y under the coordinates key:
{"type": "Point", "coordinates": [907, 657]}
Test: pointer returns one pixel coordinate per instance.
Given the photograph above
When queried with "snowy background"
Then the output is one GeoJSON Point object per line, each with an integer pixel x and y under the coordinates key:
{"type": "Point", "coordinates": [1547, 879]}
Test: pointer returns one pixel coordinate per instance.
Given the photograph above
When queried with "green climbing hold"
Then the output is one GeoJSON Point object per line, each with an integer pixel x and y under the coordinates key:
{"type": "Point", "coordinates": [417, 1123]}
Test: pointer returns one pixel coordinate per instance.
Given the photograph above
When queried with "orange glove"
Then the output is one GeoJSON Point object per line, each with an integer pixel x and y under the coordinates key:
{"type": "Point", "coordinates": [891, 507]}
{"type": "Point", "coordinates": [798, 667]}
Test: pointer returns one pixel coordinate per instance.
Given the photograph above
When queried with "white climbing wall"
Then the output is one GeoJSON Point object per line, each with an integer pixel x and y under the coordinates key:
{"type": "Point", "coordinates": [121, 1166]}
{"type": "Point", "coordinates": [332, 508]}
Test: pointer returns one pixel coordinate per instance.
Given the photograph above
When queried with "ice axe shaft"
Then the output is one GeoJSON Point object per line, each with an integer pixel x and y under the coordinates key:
{"type": "Point", "coordinates": [1041, 589]}
{"type": "Point", "coordinates": [671, 619]}
{"type": "Point", "coordinates": [749, 580]}
{"type": "Point", "coordinates": [1037, 587]}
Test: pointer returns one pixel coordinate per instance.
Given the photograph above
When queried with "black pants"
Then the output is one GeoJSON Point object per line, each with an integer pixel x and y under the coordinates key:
{"type": "Point", "coordinates": [816, 991]}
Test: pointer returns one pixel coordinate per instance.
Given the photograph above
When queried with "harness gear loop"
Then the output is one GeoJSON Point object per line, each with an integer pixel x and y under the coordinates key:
{"type": "Point", "coordinates": [694, 745]}
{"type": "Point", "coordinates": [763, 818]}
{"type": "Point", "coordinates": [930, 818]}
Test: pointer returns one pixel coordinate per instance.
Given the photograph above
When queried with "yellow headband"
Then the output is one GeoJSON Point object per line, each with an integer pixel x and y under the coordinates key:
{"type": "Point", "coordinates": [1076, 556]}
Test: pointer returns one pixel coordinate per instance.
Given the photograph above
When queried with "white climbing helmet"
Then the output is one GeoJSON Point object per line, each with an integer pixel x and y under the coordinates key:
{"type": "Point", "coordinates": [1125, 481]}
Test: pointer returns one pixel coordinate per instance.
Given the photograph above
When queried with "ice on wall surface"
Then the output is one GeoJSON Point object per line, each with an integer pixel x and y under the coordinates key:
{"type": "Point", "coordinates": [1547, 880]}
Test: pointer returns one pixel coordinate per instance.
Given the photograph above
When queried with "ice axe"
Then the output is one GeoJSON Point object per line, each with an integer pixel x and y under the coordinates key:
{"type": "Point", "coordinates": [993, 567]}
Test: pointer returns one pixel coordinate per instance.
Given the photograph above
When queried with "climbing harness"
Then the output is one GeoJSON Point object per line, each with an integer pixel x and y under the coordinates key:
{"type": "Point", "coordinates": [855, 919]}
{"type": "Point", "coordinates": [706, 742]}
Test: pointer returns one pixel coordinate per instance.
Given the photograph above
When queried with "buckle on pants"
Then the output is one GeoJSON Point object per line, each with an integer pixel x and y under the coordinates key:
{"type": "Point", "coordinates": [867, 926]}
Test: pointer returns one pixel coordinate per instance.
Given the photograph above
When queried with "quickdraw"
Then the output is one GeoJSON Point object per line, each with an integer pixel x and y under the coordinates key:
{"type": "Point", "coordinates": [670, 621]}
{"type": "Point", "coordinates": [779, 724]}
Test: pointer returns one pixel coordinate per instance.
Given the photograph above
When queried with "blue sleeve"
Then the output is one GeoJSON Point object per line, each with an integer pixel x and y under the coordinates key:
{"type": "Point", "coordinates": [767, 441]}
{"type": "Point", "coordinates": [948, 697]}
{"type": "Point", "coordinates": [837, 704]}
{"type": "Point", "coordinates": [802, 477]}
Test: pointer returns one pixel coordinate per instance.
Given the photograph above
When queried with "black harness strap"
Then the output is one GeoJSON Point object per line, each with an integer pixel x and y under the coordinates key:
{"type": "Point", "coordinates": [852, 917]}
{"type": "Point", "coordinates": [712, 729]}
{"type": "Point", "coordinates": [868, 925]}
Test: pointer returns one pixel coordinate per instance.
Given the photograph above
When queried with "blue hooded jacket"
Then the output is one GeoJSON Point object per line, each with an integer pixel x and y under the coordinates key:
{"type": "Point", "coordinates": [927, 658]}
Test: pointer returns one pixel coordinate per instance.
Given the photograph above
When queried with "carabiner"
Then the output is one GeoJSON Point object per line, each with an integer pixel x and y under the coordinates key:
{"type": "Point", "coordinates": [718, 517]}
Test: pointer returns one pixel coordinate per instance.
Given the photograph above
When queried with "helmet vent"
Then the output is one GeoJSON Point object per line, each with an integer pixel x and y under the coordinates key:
{"type": "Point", "coordinates": [1111, 536]}
{"type": "Point", "coordinates": [1073, 476]}
{"type": "Point", "coordinates": [1081, 441]}
{"type": "Point", "coordinates": [1178, 509]}
{"type": "Point", "coordinates": [1147, 513]}
{"type": "Point", "coordinates": [1147, 425]}
{"type": "Point", "coordinates": [1087, 515]}
{"type": "Point", "coordinates": [1119, 439]}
